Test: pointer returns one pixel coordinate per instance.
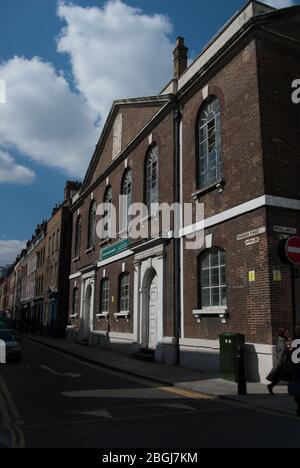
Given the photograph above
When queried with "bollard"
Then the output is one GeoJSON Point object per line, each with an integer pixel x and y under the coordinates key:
{"type": "Point", "coordinates": [241, 371]}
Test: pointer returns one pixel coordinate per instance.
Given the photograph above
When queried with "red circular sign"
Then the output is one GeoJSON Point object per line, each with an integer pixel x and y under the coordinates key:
{"type": "Point", "coordinates": [292, 250]}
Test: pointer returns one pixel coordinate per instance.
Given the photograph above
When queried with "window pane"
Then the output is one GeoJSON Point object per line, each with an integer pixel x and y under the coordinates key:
{"type": "Point", "coordinates": [152, 170]}
{"type": "Point", "coordinates": [223, 276]}
{"type": "Point", "coordinates": [210, 143]}
{"type": "Point", "coordinates": [214, 258]}
{"type": "Point", "coordinates": [215, 297]}
{"type": "Point", "coordinates": [213, 279]}
{"type": "Point", "coordinates": [205, 278]}
{"type": "Point", "coordinates": [223, 296]}
{"type": "Point", "coordinates": [205, 298]}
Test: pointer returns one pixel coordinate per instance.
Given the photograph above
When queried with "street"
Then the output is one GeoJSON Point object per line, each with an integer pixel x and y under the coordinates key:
{"type": "Point", "coordinates": [60, 402]}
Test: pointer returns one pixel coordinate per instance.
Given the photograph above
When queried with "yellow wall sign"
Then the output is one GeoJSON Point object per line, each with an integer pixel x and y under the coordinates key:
{"type": "Point", "coordinates": [252, 276]}
{"type": "Point", "coordinates": [277, 276]}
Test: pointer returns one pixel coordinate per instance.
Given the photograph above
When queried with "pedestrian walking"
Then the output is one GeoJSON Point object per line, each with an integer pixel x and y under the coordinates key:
{"type": "Point", "coordinates": [283, 367]}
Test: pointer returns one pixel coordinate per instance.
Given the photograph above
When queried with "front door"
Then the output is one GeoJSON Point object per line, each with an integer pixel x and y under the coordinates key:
{"type": "Point", "coordinates": [153, 299]}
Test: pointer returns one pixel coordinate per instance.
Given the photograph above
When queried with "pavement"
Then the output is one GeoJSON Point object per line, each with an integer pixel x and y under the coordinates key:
{"type": "Point", "coordinates": [176, 376]}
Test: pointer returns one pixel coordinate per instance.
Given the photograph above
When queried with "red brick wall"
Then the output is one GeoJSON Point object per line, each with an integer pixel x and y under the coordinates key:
{"type": "Point", "coordinates": [278, 68]}
{"type": "Point", "coordinates": [248, 303]}
{"type": "Point", "coordinates": [236, 87]}
{"type": "Point", "coordinates": [134, 119]}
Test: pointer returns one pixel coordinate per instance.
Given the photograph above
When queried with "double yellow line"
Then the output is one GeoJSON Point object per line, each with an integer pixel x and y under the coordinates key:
{"type": "Point", "coordinates": [12, 421]}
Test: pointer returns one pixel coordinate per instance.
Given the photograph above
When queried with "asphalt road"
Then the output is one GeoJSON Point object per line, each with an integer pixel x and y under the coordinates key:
{"type": "Point", "coordinates": [55, 401]}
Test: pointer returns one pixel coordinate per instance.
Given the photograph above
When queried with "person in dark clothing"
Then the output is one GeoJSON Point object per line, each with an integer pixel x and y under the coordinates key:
{"type": "Point", "coordinates": [283, 360]}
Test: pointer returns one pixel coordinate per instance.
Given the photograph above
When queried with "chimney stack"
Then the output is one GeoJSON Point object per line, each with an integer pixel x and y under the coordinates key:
{"type": "Point", "coordinates": [180, 58]}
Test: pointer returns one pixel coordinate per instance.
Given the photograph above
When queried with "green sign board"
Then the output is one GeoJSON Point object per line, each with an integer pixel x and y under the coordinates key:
{"type": "Point", "coordinates": [113, 250]}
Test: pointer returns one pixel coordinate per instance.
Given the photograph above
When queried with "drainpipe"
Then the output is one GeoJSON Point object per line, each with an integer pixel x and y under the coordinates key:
{"type": "Point", "coordinates": [177, 251]}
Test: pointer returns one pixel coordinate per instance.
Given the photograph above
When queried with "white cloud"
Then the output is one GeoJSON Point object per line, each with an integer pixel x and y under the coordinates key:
{"type": "Point", "coordinates": [13, 173]}
{"type": "Point", "coordinates": [9, 249]}
{"type": "Point", "coordinates": [116, 51]}
{"type": "Point", "coordinates": [43, 119]}
{"type": "Point", "coordinates": [281, 3]}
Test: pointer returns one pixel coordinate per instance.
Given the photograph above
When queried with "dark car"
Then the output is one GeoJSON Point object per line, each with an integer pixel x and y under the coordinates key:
{"type": "Point", "coordinates": [12, 347]}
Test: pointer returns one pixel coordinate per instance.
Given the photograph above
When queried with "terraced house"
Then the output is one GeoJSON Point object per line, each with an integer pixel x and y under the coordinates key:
{"type": "Point", "coordinates": [223, 133]}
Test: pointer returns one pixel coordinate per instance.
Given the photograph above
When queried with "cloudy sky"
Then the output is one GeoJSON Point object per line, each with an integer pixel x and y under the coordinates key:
{"type": "Point", "coordinates": [63, 63]}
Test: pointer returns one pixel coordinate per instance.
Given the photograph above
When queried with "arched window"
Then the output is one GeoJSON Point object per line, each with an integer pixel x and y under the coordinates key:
{"type": "Point", "coordinates": [104, 296]}
{"type": "Point", "coordinates": [124, 293]}
{"type": "Point", "coordinates": [107, 214]}
{"type": "Point", "coordinates": [75, 304]}
{"type": "Point", "coordinates": [78, 237]}
{"type": "Point", "coordinates": [126, 192]}
{"type": "Point", "coordinates": [210, 154]}
{"type": "Point", "coordinates": [92, 225]}
{"type": "Point", "coordinates": [212, 281]}
{"type": "Point", "coordinates": [152, 177]}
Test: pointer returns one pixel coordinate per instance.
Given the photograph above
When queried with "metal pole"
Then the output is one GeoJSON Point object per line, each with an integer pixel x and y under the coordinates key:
{"type": "Point", "coordinates": [177, 259]}
{"type": "Point", "coordinates": [241, 371]}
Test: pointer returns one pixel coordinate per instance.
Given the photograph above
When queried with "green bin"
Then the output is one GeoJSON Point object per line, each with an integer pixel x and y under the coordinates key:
{"type": "Point", "coordinates": [229, 347]}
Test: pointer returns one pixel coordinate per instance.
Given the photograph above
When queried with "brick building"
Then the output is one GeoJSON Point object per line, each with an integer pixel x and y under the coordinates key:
{"type": "Point", "coordinates": [223, 133]}
{"type": "Point", "coordinates": [55, 268]}
{"type": "Point", "coordinates": [36, 289]}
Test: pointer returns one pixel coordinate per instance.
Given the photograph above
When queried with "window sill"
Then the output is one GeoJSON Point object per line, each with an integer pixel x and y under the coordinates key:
{"type": "Point", "coordinates": [90, 250]}
{"type": "Point", "coordinates": [120, 315]}
{"type": "Point", "coordinates": [219, 185]}
{"type": "Point", "coordinates": [104, 315]}
{"type": "Point", "coordinates": [75, 260]}
{"type": "Point", "coordinates": [74, 316]}
{"type": "Point", "coordinates": [221, 312]}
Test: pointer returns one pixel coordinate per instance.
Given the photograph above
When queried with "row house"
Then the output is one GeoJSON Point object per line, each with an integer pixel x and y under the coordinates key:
{"type": "Point", "coordinates": [223, 138]}
{"type": "Point", "coordinates": [36, 290]}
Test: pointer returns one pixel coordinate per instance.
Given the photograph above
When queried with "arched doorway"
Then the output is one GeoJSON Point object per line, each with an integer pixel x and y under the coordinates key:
{"type": "Point", "coordinates": [150, 313]}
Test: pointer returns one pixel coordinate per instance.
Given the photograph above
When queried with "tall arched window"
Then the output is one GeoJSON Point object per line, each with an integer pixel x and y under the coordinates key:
{"type": "Point", "coordinates": [152, 177]}
{"type": "Point", "coordinates": [212, 281]}
{"type": "Point", "coordinates": [104, 296]}
{"type": "Point", "coordinates": [75, 304]}
{"type": "Point", "coordinates": [107, 214]}
{"type": "Point", "coordinates": [92, 225]}
{"type": "Point", "coordinates": [124, 293]}
{"type": "Point", "coordinates": [210, 153]}
{"type": "Point", "coordinates": [126, 192]}
{"type": "Point", "coordinates": [78, 237]}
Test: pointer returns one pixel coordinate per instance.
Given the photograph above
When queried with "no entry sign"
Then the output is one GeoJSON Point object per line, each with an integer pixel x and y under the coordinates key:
{"type": "Point", "coordinates": [292, 250]}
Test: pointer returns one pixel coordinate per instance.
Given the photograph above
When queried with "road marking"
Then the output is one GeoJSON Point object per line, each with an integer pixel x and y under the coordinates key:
{"type": "Point", "coordinates": [68, 374]}
{"type": "Point", "coordinates": [187, 393]}
{"type": "Point", "coordinates": [122, 374]}
{"type": "Point", "coordinates": [181, 407]}
{"type": "Point", "coordinates": [122, 393]}
{"type": "Point", "coordinates": [98, 413]}
{"type": "Point", "coordinates": [131, 418]}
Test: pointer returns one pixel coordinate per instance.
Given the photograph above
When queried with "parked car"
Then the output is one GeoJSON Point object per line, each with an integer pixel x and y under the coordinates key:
{"type": "Point", "coordinates": [13, 348]}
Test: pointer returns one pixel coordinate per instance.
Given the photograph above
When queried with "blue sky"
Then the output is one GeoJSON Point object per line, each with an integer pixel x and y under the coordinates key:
{"type": "Point", "coordinates": [63, 64]}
